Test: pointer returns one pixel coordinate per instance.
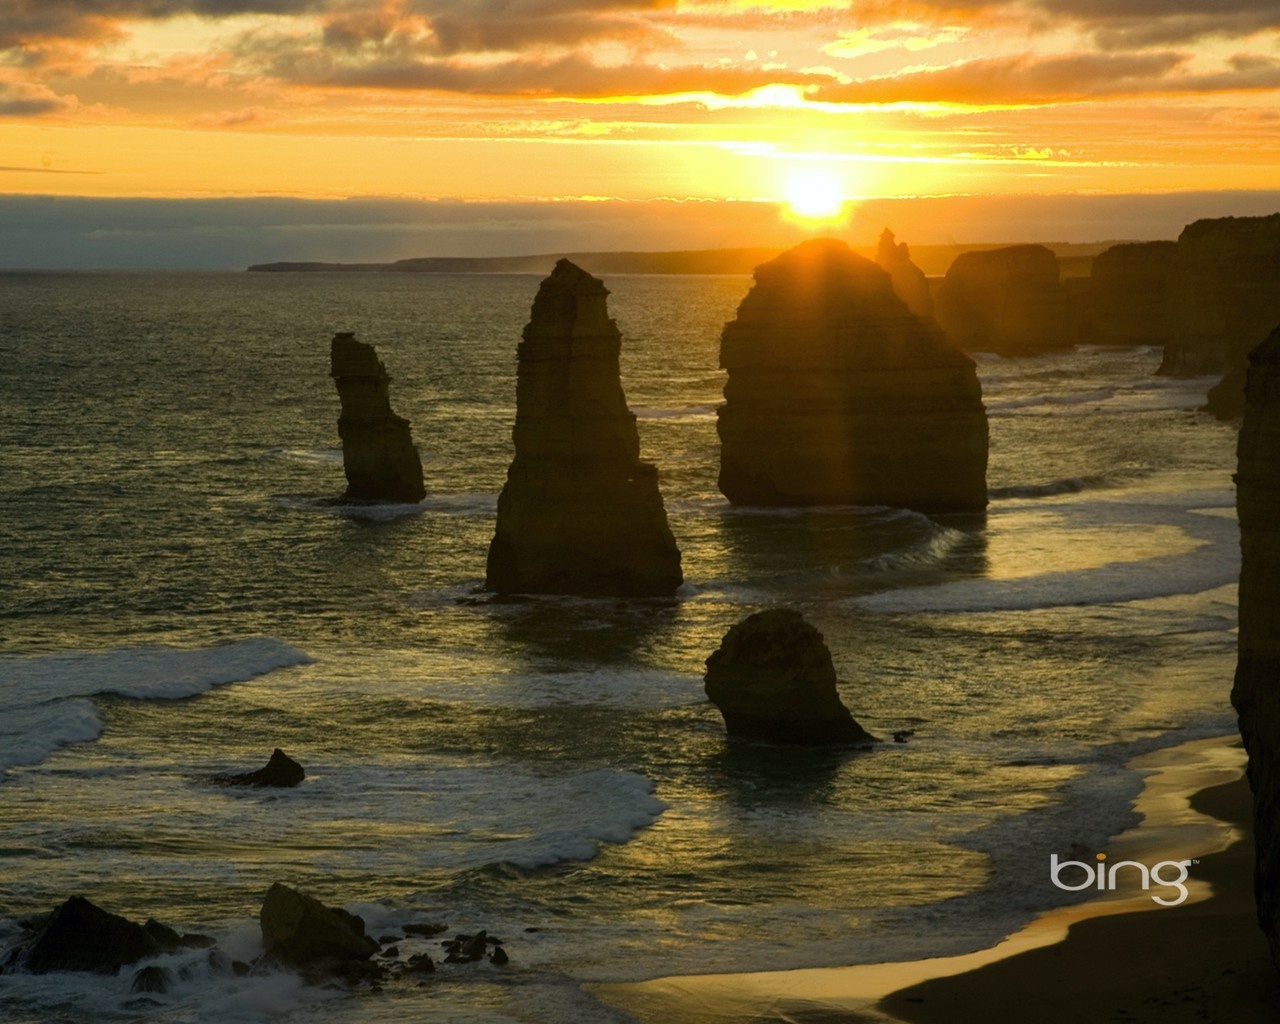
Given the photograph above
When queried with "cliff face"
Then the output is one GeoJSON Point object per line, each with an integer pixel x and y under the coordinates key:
{"type": "Point", "coordinates": [378, 453]}
{"type": "Point", "coordinates": [1009, 301]}
{"type": "Point", "coordinates": [580, 513]}
{"type": "Point", "coordinates": [1224, 295]}
{"type": "Point", "coordinates": [1127, 295]}
{"type": "Point", "coordinates": [1256, 694]}
{"type": "Point", "coordinates": [839, 395]}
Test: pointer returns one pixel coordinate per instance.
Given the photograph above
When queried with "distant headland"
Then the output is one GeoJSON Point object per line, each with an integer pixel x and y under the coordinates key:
{"type": "Point", "coordinates": [1073, 259]}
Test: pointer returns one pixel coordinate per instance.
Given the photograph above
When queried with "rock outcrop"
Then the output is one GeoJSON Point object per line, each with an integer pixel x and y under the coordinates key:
{"type": "Point", "coordinates": [281, 772]}
{"type": "Point", "coordinates": [580, 513]}
{"type": "Point", "coordinates": [378, 454]}
{"type": "Point", "coordinates": [1256, 694]}
{"type": "Point", "coordinates": [1010, 301]}
{"type": "Point", "coordinates": [773, 680]}
{"type": "Point", "coordinates": [302, 932]}
{"type": "Point", "coordinates": [839, 395]}
{"type": "Point", "coordinates": [909, 282]}
{"type": "Point", "coordinates": [1126, 300]}
{"type": "Point", "coordinates": [81, 936]}
{"type": "Point", "coordinates": [1224, 294]}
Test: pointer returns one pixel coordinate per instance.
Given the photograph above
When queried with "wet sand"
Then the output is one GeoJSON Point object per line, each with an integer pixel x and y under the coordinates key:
{"type": "Point", "coordinates": [1120, 957]}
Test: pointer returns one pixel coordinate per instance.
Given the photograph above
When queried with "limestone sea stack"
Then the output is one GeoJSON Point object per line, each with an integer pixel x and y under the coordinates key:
{"type": "Point", "coordinates": [839, 395]}
{"type": "Point", "coordinates": [1224, 294]}
{"type": "Point", "coordinates": [909, 282]}
{"type": "Point", "coordinates": [378, 454]}
{"type": "Point", "coordinates": [1010, 301]}
{"type": "Point", "coordinates": [773, 680]}
{"type": "Point", "coordinates": [1256, 694]}
{"type": "Point", "coordinates": [1126, 298]}
{"type": "Point", "coordinates": [580, 513]}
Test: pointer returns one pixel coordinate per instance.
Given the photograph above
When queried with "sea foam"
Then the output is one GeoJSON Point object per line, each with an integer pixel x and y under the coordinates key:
{"type": "Point", "coordinates": [46, 695]}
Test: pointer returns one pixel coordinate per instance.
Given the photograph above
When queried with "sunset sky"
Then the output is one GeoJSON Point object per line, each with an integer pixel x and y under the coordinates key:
{"type": "Point", "coordinates": [550, 108]}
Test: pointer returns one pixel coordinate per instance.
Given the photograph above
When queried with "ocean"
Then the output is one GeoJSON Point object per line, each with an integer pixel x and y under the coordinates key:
{"type": "Point", "coordinates": [180, 595]}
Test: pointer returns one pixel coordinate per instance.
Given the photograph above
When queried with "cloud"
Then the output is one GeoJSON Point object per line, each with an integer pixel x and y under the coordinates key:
{"type": "Point", "coordinates": [1029, 79]}
{"type": "Point", "coordinates": [22, 100]}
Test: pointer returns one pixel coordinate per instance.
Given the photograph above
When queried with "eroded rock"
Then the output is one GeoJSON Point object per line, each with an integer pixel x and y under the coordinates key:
{"type": "Point", "coordinates": [281, 772]}
{"type": "Point", "coordinates": [302, 932]}
{"type": "Point", "coordinates": [839, 395]}
{"type": "Point", "coordinates": [1010, 301]}
{"type": "Point", "coordinates": [773, 680]}
{"type": "Point", "coordinates": [580, 513]}
{"type": "Point", "coordinates": [378, 453]}
{"type": "Point", "coordinates": [909, 282]}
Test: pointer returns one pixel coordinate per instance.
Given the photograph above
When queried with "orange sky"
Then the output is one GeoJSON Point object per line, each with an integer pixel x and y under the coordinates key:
{"type": "Point", "coordinates": [636, 99]}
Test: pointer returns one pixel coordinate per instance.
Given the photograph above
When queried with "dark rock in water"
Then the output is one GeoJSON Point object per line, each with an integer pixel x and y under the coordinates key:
{"type": "Point", "coordinates": [280, 772]}
{"type": "Point", "coordinates": [170, 941]}
{"type": "Point", "coordinates": [773, 680]}
{"type": "Point", "coordinates": [427, 929]}
{"type": "Point", "coordinates": [909, 282]}
{"type": "Point", "coordinates": [80, 936]}
{"type": "Point", "coordinates": [580, 513]}
{"type": "Point", "coordinates": [1009, 301]}
{"type": "Point", "coordinates": [420, 963]}
{"type": "Point", "coordinates": [465, 949]}
{"type": "Point", "coordinates": [378, 454]}
{"type": "Point", "coordinates": [1256, 694]}
{"type": "Point", "coordinates": [499, 956]}
{"type": "Point", "coordinates": [302, 932]}
{"type": "Point", "coordinates": [151, 979]}
{"type": "Point", "coordinates": [839, 395]}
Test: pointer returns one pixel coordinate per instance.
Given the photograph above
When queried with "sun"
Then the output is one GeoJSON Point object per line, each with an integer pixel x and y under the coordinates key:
{"type": "Point", "coordinates": [814, 195]}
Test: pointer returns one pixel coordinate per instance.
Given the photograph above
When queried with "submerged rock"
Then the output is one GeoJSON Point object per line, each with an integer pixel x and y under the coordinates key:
{"type": "Point", "coordinates": [580, 513]}
{"type": "Point", "coordinates": [378, 454]}
{"type": "Point", "coordinates": [1256, 694]}
{"type": "Point", "coordinates": [281, 772]}
{"type": "Point", "coordinates": [1010, 301]}
{"type": "Point", "coordinates": [151, 979]}
{"type": "Point", "coordinates": [839, 395]}
{"type": "Point", "coordinates": [772, 679]}
{"type": "Point", "coordinates": [300, 931]}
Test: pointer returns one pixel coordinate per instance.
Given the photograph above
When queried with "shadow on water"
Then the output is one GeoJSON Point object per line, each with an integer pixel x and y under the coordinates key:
{"type": "Point", "coordinates": [763, 774]}
{"type": "Point", "coordinates": [577, 630]}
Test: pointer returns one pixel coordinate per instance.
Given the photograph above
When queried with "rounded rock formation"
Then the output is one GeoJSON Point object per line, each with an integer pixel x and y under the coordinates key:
{"type": "Point", "coordinates": [839, 395]}
{"type": "Point", "coordinates": [773, 680]}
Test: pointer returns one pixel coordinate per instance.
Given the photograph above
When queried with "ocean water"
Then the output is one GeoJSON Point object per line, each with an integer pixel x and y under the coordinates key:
{"type": "Point", "coordinates": [179, 596]}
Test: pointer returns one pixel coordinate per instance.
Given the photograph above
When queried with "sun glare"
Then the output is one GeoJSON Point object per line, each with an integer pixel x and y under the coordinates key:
{"type": "Point", "coordinates": [814, 195]}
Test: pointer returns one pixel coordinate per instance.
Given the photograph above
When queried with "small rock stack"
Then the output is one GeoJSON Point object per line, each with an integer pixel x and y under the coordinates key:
{"type": "Point", "coordinates": [378, 453]}
{"type": "Point", "coordinates": [580, 513]}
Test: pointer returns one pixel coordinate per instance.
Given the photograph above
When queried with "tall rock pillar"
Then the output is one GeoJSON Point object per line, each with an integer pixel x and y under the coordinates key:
{"type": "Point", "coordinates": [580, 513]}
{"type": "Point", "coordinates": [1256, 694]}
{"type": "Point", "coordinates": [378, 453]}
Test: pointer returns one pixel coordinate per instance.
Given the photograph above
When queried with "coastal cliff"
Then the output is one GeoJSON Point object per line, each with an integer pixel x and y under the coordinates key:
{"type": "Point", "coordinates": [580, 513]}
{"type": "Point", "coordinates": [839, 395]}
{"type": "Point", "coordinates": [1125, 301]}
{"type": "Point", "coordinates": [378, 454]}
{"type": "Point", "coordinates": [1256, 694]}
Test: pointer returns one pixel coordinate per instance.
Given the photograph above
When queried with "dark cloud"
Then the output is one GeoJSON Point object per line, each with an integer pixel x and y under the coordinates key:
{"type": "Point", "coordinates": [1016, 80]}
{"type": "Point", "coordinates": [570, 75]}
{"type": "Point", "coordinates": [31, 101]}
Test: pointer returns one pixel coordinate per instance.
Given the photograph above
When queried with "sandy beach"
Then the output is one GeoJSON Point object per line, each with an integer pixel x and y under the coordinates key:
{"type": "Point", "coordinates": [1120, 957]}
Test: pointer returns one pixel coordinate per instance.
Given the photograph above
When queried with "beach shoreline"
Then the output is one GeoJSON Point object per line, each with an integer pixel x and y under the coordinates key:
{"type": "Point", "coordinates": [1120, 956]}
